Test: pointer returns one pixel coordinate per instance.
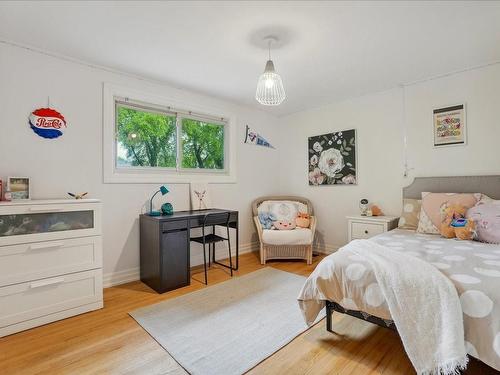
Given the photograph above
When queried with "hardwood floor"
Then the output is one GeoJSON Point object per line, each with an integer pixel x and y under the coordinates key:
{"type": "Point", "coordinates": [109, 341]}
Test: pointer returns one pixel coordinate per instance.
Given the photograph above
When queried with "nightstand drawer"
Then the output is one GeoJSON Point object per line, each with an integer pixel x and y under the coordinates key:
{"type": "Point", "coordinates": [365, 230]}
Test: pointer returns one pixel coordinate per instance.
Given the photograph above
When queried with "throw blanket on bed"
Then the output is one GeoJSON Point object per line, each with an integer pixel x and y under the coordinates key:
{"type": "Point", "coordinates": [423, 304]}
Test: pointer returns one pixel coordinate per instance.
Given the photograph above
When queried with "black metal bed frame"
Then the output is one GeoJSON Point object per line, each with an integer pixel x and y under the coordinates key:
{"type": "Point", "coordinates": [334, 306]}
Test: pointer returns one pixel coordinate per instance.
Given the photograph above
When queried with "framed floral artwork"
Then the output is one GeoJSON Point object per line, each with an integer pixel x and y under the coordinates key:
{"type": "Point", "coordinates": [332, 158]}
{"type": "Point", "coordinates": [449, 125]}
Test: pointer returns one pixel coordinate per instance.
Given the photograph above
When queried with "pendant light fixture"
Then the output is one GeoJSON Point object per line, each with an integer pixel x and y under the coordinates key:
{"type": "Point", "coordinates": [270, 89]}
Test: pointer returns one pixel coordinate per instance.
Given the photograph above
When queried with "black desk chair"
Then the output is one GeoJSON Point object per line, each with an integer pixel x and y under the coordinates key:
{"type": "Point", "coordinates": [211, 239]}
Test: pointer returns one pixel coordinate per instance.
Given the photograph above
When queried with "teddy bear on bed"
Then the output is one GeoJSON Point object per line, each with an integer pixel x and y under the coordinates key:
{"type": "Point", "coordinates": [454, 224]}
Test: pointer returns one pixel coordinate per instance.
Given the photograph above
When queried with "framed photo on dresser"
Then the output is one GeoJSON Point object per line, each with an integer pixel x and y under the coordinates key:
{"type": "Point", "coordinates": [19, 188]}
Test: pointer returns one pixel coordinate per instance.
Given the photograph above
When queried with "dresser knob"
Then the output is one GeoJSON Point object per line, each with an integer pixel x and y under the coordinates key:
{"type": "Point", "coordinates": [366, 232]}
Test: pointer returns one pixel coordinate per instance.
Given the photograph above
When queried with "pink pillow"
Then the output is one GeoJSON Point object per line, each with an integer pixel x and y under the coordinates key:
{"type": "Point", "coordinates": [434, 204]}
{"type": "Point", "coordinates": [486, 215]}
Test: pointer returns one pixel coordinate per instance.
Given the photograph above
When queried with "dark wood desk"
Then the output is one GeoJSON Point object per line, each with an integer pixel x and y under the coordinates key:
{"type": "Point", "coordinates": [165, 247]}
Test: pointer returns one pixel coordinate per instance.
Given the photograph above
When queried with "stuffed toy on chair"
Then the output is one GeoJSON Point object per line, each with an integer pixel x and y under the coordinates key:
{"type": "Point", "coordinates": [267, 219]}
{"type": "Point", "coordinates": [303, 220]}
{"type": "Point", "coordinates": [454, 224]}
{"type": "Point", "coordinates": [284, 225]}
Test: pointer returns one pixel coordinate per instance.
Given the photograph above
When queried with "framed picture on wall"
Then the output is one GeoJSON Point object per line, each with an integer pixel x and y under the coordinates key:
{"type": "Point", "coordinates": [332, 158]}
{"type": "Point", "coordinates": [449, 126]}
{"type": "Point", "coordinates": [19, 188]}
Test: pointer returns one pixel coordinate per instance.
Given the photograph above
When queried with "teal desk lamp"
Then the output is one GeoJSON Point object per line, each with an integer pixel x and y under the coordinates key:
{"type": "Point", "coordinates": [163, 190]}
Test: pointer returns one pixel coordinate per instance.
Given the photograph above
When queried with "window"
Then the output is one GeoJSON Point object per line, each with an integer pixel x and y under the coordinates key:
{"type": "Point", "coordinates": [147, 139]}
{"type": "Point", "coordinates": [202, 144]}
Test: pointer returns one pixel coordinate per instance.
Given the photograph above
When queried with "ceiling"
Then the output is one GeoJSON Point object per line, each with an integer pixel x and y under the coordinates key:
{"type": "Point", "coordinates": [329, 51]}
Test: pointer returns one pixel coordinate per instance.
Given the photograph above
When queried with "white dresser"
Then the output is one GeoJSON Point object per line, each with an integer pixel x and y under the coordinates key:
{"type": "Point", "coordinates": [360, 227]}
{"type": "Point", "coordinates": [50, 261]}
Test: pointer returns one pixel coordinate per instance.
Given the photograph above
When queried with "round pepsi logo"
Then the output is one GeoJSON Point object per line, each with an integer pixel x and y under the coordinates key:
{"type": "Point", "coordinates": [47, 122]}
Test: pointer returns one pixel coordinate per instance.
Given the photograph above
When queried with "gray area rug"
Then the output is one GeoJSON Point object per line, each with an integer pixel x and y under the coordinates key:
{"type": "Point", "coordinates": [230, 327]}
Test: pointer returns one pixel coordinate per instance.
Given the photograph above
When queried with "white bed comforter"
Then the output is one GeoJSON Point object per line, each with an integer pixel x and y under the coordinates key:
{"type": "Point", "coordinates": [472, 267]}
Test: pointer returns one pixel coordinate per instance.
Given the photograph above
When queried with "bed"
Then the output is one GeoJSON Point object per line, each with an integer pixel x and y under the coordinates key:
{"type": "Point", "coordinates": [346, 284]}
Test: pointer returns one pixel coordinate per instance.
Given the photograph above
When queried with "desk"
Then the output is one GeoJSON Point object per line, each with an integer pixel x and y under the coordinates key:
{"type": "Point", "coordinates": [165, 247]}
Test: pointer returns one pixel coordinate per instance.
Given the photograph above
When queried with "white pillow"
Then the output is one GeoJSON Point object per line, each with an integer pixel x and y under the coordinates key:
{"type": "Point", "coordinates": [283, 210]}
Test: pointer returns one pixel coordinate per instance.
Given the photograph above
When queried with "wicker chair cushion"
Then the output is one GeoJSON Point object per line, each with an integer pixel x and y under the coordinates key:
{"type": "Point", "coordinates": [298, 236]}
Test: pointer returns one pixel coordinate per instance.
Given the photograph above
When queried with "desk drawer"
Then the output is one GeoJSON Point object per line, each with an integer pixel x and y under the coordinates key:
{"type": "Point", "coordinates": [37, 260]}
{"type": "Point", "coordinates": [365, 230]}
{"type": "Point", "coordinates": [38, 298]}
{"type": "Point", "coordinates": [174, 225]}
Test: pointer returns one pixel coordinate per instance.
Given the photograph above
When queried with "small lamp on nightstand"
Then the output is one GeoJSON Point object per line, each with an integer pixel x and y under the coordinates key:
{"type": "Point", "coordinates": [163, 190]}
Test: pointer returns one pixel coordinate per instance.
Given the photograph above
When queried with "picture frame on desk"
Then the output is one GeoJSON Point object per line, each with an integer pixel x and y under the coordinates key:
{"type": "Point", "coordinates": [19, 188]}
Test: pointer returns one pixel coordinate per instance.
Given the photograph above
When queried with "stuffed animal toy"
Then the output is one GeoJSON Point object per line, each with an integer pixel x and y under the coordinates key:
{"type": "Point", "coordinates": [454, 224]}
{"type": "Point", "coordinates": [376, 211]}
{"type": "Point", "coordinates": [465, 229]}
{"type": "Point", "coordinates": [284, 225]}
{"type": "Point", "coordinates": [266, 220]}
{"type": "Point", "coordinates": [303, 220]}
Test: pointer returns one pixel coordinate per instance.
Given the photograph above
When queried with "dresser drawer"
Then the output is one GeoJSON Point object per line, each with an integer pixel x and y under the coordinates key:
{"type": "Point", "coordinates": [23, 223]}
{"type": "Point", "coordinates": [365, 230]}
{"type": "Point", "coordinates": [37, 260]}
{"type": "Point", "coordinates": [35, 299]}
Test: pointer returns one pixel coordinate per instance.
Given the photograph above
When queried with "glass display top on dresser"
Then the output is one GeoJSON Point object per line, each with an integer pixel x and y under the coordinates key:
{"type": "Point", "coordinates": [45, 222]}
{"type": "Point", "coordinates": [39, 217]}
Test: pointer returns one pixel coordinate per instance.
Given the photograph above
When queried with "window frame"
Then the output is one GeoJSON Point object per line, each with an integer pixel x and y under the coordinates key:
{"type": "Point", "coordinates": [114, 96]}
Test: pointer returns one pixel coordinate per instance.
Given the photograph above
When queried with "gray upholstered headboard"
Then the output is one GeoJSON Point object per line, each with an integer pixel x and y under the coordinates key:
{"type": "Point", "coordinates": [489, 185]}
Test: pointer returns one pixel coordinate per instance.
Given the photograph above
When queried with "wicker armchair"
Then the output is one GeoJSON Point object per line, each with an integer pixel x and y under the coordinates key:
{"type": "Point", "coordinates": [284, 250]}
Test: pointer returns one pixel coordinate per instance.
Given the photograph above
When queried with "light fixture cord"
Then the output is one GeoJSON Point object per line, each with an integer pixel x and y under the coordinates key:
{"type": "Point", "coordinates": [269, 48]}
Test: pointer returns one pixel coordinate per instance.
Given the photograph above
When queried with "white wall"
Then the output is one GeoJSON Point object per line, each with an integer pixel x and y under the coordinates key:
{"type": "Point", "coordinates": [74, 161]}
{"type": "Point", "coordinates": [479, 89]}
{"type": "Point", "coordinates": [378, 119]}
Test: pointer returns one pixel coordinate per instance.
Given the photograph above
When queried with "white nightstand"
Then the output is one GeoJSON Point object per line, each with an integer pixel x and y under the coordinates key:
{"type": "Point", "coordinates": [360, 227]}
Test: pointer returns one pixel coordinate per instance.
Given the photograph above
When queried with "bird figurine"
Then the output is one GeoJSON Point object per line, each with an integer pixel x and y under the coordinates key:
{"type": "Point", "coordinates": [78, 196]}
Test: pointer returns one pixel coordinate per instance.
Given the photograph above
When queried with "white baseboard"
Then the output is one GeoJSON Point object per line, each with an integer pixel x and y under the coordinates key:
{"type": "Point", "coordinates": [221, 252]}
{"type": "Point", "coordinates": [133, 274]}
{"type": "Point", "coordinates": [120, 277]}
{"type": "Point", "coordinates": [326, 248]}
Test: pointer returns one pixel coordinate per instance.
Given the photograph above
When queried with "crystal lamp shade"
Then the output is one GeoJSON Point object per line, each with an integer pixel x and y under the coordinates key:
{"type": "Point", "coordinates": [270, 89]}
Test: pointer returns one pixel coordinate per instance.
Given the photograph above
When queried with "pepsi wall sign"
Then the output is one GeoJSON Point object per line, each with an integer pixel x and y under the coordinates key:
{"type": "Point", "coordinates": [47, 122]}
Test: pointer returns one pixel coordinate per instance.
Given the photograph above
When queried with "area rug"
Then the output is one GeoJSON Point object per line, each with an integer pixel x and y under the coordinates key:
{"type": "Point", "coordinates": [230, 327]}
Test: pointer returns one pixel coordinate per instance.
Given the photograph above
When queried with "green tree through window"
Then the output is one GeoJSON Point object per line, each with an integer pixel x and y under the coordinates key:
{"type": "Point", "coordinates": [148, 139]}
{"type": "Point", "coordinates": [202, 144]}
{"type": "Point", "coordinates": [145, 139]}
